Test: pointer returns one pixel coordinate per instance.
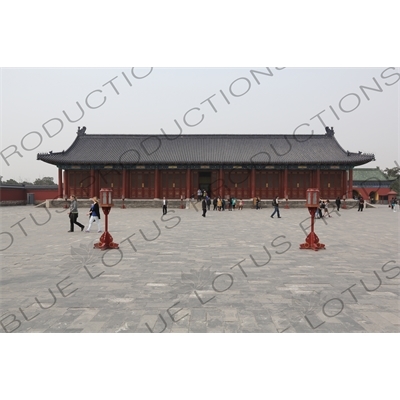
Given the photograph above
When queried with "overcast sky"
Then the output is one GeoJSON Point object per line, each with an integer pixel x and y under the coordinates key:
{"type": "Point", "coordinates": [149, 100]}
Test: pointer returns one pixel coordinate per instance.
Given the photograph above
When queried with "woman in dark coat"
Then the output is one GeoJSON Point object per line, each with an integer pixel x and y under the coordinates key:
{"type": "Point", "coordinates": [94, 213]}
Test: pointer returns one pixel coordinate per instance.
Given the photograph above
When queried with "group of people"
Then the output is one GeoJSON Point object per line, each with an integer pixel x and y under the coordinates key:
{"type": "Point", "coordinates": [94, 213]}
{"type": "Point", "coordinates": [201, 194]}
{"type": "Point", "coordinates": [220, 204]}
{"type": "Point", "coordinates": [323, 211]}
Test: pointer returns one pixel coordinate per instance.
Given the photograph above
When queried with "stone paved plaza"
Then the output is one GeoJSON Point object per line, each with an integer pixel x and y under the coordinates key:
{"type": "Point", "coordinates": [238, 271]}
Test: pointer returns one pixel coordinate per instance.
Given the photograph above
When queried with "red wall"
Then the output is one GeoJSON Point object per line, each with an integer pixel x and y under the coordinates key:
{"type": "Point", "coordinates": [12, 193]}
{"type": "Point", "coordinates": [43, 194]}
{"type": "Point", "coordinates": [20, 193]}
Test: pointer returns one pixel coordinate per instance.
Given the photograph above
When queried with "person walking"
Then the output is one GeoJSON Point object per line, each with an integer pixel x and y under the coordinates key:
{"type": "Point", "coordinates": [215, 203]}
{"type": "Point", "coordinates": [326, 210]}
{"type": "Point", "coordinates": [275, 203]}
{"type": "Point", "coordinates": [219, 203]}
{"type": "Point", "coordinates": [73, 214]}
{"type": "Point", "coordinates": [164, 206]}
{"type": "Point", "coordinates": [204, 207]}
{"type": "Point", "coordinates": [360, 203]}
{"type": "Point", "coordinates": [318, 213]}
{"type": "Point", "coordinates": [94, 215]}
{"type": "Point", "coordinates": [338, 203]}
{"type": "Point", "coordinates": [208, 203]}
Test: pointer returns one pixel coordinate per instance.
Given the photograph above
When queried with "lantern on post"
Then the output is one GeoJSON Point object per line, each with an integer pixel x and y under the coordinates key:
{"type": "Point", "coordinates": [312, 203]}
{"type": "Point", "coordinates": [106, 240]}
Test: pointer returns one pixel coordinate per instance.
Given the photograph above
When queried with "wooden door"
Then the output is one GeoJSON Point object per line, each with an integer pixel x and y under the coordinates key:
{"type": "Point", "coordinates": [298, 183]}
{"type": "Point", "coordinates": [173, 184]}
{"type": "Point", "coordinates": [80, 183]}
{"type": "Point", "coordinates": [267, 184]}
{"type": "Point", "coordinates": [330, 184]}
{"type": "Point", "coordinates": [142, 184]}
{"type": "Point", "coordinates": [238, 183]}
{"type": "Point", "coordinates": [111, 179]}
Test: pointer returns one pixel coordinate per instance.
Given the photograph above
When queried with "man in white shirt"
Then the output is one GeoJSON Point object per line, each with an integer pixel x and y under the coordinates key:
{"type": "Point", "coordinates": [164, 205]}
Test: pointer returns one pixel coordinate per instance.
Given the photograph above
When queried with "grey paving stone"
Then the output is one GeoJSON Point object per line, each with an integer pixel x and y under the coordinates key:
{"type": "Point", "coordinates": [194, 261]}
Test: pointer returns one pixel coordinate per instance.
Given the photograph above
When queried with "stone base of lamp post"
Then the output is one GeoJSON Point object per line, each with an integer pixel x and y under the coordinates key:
{"type": "Point", "coordinates": [106, 242]}
{"type": "Point", "coordinates": [312, 240]}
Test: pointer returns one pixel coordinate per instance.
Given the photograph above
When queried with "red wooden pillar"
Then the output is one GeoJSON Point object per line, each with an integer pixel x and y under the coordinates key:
{"type": "Point", "coordinates": [318, 178]}
{"type": "Point", "coordinates": [285, 181]}
{"type": "Point", "coordinates": [124, 181]}
{"type": "Point", "coordinates": [344, 183]}
{"type": "Point", "coordinates": [253, 183]}
{"type": "Point", "coordinates": [350, 190]}
{"type": "Point", "coordinates": [222, 182]}
{"type": "Point", "coordinates": [128, 186]}
{"type": "Point", "coordinates": [92, 183]}
{"type": "Point", "coordinates": [96, 183]}
{"type": "Point", "coordinates": [60, 184]}
{"type": "Point", "coordinates": [66, 184]}
{"type": "Point", "coordinates": [188, 183]}
{"type": "Point", "coordinates": [157, 184]}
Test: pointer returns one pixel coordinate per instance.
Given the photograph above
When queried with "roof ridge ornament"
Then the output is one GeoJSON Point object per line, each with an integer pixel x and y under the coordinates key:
{"type": "Point", "coordinates": [82, 131]}
{"type": "Point", "coordinates": [329, 131]}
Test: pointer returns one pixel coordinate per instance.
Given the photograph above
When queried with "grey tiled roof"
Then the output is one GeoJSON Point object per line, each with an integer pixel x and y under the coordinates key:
{"type": "Point", "coordinates": [205, 149]}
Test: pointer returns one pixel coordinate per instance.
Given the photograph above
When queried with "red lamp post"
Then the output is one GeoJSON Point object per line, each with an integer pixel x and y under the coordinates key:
{"type": "Point", "coordinates": [106, 240]}
{"type": "Point", "coordinates": [312, 240]}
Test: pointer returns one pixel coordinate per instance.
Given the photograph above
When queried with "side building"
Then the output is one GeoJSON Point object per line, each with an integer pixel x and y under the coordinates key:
{"type": "Point", "coordinates": [373, 185]}
{"type": "Point", "coordinates": [241, 166]}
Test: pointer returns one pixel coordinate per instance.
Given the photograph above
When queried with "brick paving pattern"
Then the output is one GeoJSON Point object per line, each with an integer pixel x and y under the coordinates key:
{"type": "Point", "coordinates": [233, 271]}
